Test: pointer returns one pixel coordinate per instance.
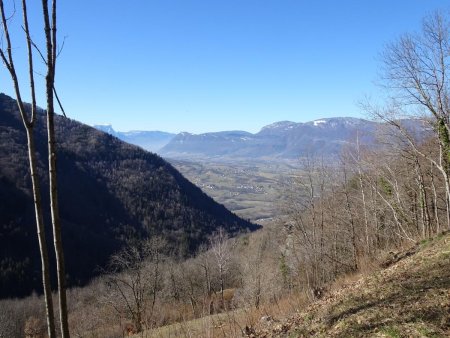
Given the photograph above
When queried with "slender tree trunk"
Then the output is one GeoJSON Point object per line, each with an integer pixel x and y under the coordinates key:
{"type": "Point", "coordinates": [41, 234]}
{"type": "Point", "coordinates": [352, 222]}
{"type": "Point", "coordinates": [374, 199]}
{"type": "Point", "coordinates": [315, 242]}
{"type": "Point", "coordinates": [425, 213]}
{"type": "Point", "coordinates": [322, 222]}
{"type": "Point", "coordinates": [363, 195]}
{"type": "Point", "coordinates": [56, 223]}
{"type": "Point", "coordinates": [366, 221]}
{"type": "Point", "coordinates": [155, 285]}
{"type": "Point", "coordinates": [435, 202]}
{"type": "Point", "coordinates": [444, 169]}
{"type": "Point", "coordinates": [447, 203]}
{"type": "Point", "coordinates": [50, 37]}
{"type": "Point", "coordinates": [222, 283]}
{"type": "Point", "coordinates": [8, 61]}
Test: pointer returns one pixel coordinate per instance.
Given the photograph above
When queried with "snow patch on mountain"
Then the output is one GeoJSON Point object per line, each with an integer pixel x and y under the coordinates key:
{"type": "Point", "coordinates": [318, 122]}
{"type": "Point", "coordinates": [280, 125]}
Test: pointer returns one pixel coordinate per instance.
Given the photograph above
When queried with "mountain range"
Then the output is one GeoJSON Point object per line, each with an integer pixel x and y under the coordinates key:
{"type": "Point", "coordinates": [149, 140]}
{"type": "Point", "coordinates": [280, 140]}
{"type": "Point", "coordinates": [284, 140]}
{"type": "Point", "coordinates": [111, 194]}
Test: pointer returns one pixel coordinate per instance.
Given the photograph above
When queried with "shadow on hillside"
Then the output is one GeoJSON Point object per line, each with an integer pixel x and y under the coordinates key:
{"type": "Point", "coordinates": [413, 296]}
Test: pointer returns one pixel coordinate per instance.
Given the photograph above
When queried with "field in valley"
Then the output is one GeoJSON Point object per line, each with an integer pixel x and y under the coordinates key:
{"type": "Point", "coordinates": [257, 191]}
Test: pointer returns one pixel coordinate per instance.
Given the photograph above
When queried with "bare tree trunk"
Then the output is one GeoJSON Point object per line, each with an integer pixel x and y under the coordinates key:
{"type": "Point", "coordinates": [7, 58]}
{"type": "Point", "coordinates": [447, 203]}
{"type": "Point", "coordinates": [396, 217]}
{"type": "Point", "coordinates": [56, 224]}
{"type": "Point", "coordinates": [41, 235]}
{"type": "Point", "coordinates": [352, 221]}
{"type": "Point", "coordinates": [363, 195]}
{"type": "Point", "coordinates": [423, 201]}
{"type": "Point", "coordinates": [190, 289]}
{"type": "Point", "coordinates": [155, 284]}
{"type": "Point", "coordinates": [311, 206]}
{"type": "Point", "coordinates": [435, 201]}
{"type": "Point", "coordinates": [444, 168]}
{"type": "Point", "coordinates": [50, 37]}
{"type": "Point", "coordinates": [416, 67]}
{"type": "Point", "coordinates": [373, 194]}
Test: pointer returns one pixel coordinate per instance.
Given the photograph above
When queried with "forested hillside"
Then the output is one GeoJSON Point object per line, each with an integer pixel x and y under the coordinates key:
{"type": "Point", "coordinates": [110, 193]}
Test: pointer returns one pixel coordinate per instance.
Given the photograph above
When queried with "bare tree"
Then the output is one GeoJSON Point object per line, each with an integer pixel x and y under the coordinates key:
{"type": "Point", "coordinates": [204, 262]}
{"type": "Point", "coordinates": [29, 124]}
{"type": "Point", "coordinates": [358, 164]}
{"type": "Point", "coordinates": [128, 286]}
{"type": "Point", "coordinates": [49, 16]}
{"type": "Point", "coordinates": [416, 71]}
{"type": "Point", "coordinates": [191, 278]}
{"type": "Point", "coordinates": [51, 55]}
{"type": "Point", "coordinates": [262, 280]}
{"type": "Point", "coordinates": [135, 279]}
{"type": "Point", "coordinates": [222, 247]}
{"type": "Point", "coordinates": [350, 216]}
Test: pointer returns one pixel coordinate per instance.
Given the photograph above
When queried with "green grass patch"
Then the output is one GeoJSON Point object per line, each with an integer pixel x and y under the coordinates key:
{"type": "Point", "coordinates": [425, 242]}
{"type": "Point", "coordinates": [426, 332]}
{"type": "Point", "coordinates": [391, 331]}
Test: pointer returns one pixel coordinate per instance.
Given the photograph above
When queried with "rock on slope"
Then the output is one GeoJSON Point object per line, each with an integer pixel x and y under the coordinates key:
{"type": "Point", "coordinates": [409, 298]}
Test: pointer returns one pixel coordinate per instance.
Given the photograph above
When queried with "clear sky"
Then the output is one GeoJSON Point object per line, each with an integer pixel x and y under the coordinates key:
{"type": "Point", "coordinates": [198, 66]}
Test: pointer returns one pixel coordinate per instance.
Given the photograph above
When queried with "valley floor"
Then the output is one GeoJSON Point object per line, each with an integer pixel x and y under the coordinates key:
{"type": "Point", "coordinates": [253, 190]}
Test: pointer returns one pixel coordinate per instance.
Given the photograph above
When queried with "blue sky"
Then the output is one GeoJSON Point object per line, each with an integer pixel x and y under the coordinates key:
{"type": "Point", "coordinates": [198, 66]}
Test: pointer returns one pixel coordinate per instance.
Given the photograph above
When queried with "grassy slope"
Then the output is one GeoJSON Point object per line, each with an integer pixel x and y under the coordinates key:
{"type": "Point", "coordinates": [409, 298]}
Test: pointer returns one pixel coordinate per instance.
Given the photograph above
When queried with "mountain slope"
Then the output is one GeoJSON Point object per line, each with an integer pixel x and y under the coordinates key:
{"type": "Point", "coordinates": [285, 140]}
{"type": "Point", "coordinates": [110, 192]}
{"type": "Point", "coordinates": [148, 140]}
{"type": "Point", "coordinates": [409, 298]}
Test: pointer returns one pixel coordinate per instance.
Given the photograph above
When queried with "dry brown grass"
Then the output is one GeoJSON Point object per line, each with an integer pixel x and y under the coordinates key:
{"type": "Point", "coordinates": [409, 298]}
{"type": "Point", "coordinates": [232, 323]}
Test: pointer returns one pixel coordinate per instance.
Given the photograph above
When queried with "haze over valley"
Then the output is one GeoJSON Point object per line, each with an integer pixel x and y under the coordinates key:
{"type": "Point", "coordinates": [254, 175]}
